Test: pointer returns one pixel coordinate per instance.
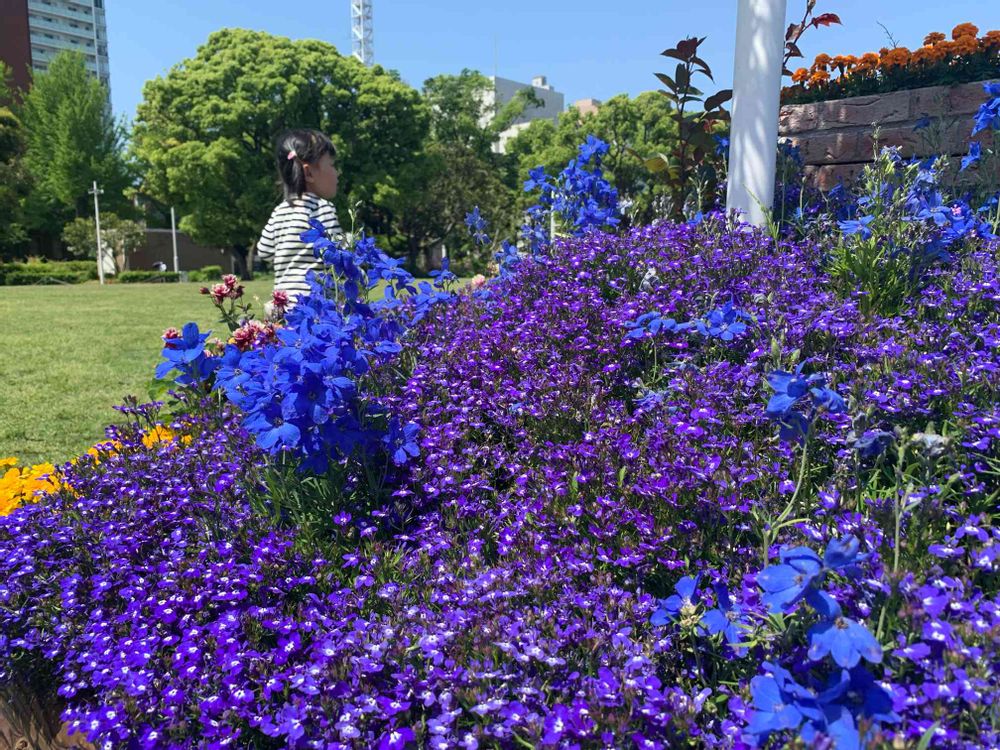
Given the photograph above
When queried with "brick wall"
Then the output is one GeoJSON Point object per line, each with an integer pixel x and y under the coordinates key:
{"type": "Point", "coordinates": [190, 256]}
{"type": "Point", "coordinates": [836, 137]}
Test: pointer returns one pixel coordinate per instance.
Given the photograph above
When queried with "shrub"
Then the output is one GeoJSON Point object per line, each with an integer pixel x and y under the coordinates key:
{"type": "Point", "coordinates": [60, 271]}
{"type": "Point", "coordinates": [31, 275]}
{"type": "Point", "coordinates": [140, 277]}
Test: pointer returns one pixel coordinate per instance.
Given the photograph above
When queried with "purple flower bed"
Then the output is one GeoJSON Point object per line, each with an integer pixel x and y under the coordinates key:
{"type": "Point", "coordinates": [575, 557]}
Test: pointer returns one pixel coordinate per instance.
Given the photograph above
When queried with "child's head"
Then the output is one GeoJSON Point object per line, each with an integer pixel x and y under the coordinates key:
{"type": "Point", "coordinates": [305, 164]}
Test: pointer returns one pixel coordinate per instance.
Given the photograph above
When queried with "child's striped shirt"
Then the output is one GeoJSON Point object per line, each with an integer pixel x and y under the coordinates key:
{"type": "Point", "coordinates": [280, 242]}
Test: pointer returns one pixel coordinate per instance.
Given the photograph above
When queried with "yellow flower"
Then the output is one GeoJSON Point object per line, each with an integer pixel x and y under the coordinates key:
{"type": "Point", "coordinates": [162, 434]}
{"type": "Point", "coordinates": [24, 485]}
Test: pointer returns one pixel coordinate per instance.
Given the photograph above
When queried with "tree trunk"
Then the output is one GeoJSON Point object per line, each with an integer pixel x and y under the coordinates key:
{"type": "Point", "coordinates": [240, 254]}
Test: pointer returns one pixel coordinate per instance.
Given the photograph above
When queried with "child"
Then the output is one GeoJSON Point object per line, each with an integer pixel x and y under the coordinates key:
{"type": "Point", "coordinates": [309, 179]}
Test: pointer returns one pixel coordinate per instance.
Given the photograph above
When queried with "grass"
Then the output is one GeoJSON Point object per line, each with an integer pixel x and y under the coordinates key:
{"type": "Point", "coordinates": [70, 353]}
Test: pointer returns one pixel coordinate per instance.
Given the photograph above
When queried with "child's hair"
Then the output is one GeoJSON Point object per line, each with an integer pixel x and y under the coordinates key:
{"type": "Point", "coordinates": [295, 148]}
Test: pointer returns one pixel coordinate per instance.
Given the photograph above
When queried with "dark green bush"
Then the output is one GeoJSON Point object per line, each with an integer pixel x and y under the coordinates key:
{"type": "Point", "coordinates": [211, 273]}
{"type": "Point", "coordinates": [140, 277]}
{"type": "Point", "coordinates": [19, 277]}
{"type": "Point", "coordinates": [55, 269]}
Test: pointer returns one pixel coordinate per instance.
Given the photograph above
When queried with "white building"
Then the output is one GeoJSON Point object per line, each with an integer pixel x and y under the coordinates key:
{"type": "Point", "coordinates": [76, 25]}
{"type": "Point", "coordinates": [502, 90]}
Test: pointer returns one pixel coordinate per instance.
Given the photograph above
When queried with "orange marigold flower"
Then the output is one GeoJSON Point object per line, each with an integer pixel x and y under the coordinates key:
{"type": "Point", "coordinates": [933, 38]}
{"type": "Point", "coordinates": [898, 57]}
{"type": "Point", "coordinates": [822, 61]}
{"type": "Point", "coordinates": [991, 39]}
{"type": "Point", "coordinates": [818, 77]}
{"type": "Point", "coordinates": [867, 62]}
{"type": "Point", "coordinates": [924, 56]}
{"type": "Point", "coordinates": [964, 29]}
{"type": "Point", "coordinates": [800, 76]}
{"type": "Point", "coordinates": [966, 45]}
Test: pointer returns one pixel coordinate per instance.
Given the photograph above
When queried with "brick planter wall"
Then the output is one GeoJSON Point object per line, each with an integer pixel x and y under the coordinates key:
{"type": "Point", "coordinates": [836, 137]}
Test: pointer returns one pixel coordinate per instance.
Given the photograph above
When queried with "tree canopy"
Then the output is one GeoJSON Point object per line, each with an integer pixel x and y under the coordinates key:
{"type": "Point", "coordinates": [71, 140]}
{"type": "Point", "coordinates": [204, 133]}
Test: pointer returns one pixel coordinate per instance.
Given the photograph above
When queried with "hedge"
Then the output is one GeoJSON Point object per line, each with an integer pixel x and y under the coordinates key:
{"type": "Point", "coordinates": [56, 270]}
{"type": "Point", "coordinates": [139, 277]}
{"type": "Point", "coordinates": [30, 277]}
{"type": "Point", "coordinates": [207, 273]}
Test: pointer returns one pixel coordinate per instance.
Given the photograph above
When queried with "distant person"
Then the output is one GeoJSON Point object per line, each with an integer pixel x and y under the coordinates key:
{"type": "Point", "coordinates": [309, 179]}
{"type": "Point", "coordinates": [159, 266]}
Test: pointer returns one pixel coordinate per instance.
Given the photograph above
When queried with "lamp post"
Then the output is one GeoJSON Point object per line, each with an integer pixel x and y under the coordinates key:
{"type": "Point", "coordinates": [173, 236]}
{"type": "Point", "coordinates": [96, 191]}
{"type": "Point", "coordinates": [753, 139]}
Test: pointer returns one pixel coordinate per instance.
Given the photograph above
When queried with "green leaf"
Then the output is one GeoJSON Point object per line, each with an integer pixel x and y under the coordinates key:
{"type": "Point", "coordinates": [926, 737]}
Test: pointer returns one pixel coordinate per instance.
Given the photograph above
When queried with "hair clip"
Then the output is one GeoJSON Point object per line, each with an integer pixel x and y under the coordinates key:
{"type": "Point", "coordinates": [292, 155]}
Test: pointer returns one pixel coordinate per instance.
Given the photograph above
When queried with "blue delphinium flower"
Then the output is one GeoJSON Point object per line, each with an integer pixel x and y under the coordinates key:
{"type": "Point", "coordinates": [988, 115]}
{"type": "Point", "coordinates": [786, 583]}
{"type": "Point", "coordinates": [725, 323]}
{"type": "Point", "coordinates": [727, 617]}
{"type": "Point", "coordinates": [477, 226]}
{"type": "Point", "coordinates": [186, 356]}
{"type": "Point", "coordinates": [975, 151]}
{"type": "Point", "coordinates": [857, 226]}
{"type": "Point", "coordinates": [846, 640]}
{"type": "Point", "coordinates": [873, 443]}
{"type": "Point", "coordinates": [786, 405]}
{"type": "Point", "coordinates": [685, 597]}
{"type": "Point", "coordinates": [780, 703]}
{"type": "Point", "coordinates": [652, 323]}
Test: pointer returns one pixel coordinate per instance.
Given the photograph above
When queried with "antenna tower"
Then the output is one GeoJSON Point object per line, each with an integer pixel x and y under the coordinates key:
{"type": "Point", "coordinates": [361, 31]}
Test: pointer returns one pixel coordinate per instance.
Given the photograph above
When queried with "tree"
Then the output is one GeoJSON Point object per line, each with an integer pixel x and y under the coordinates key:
{"type": "Point", "coordinates": [642, 124]}
{"type": "Point", "coordinates": [205, 132]}
{"type": "Point", "coordinates": [13, 178]}
{"type": "Point", "coordinates": [119, 237]}
{"type": "Point", "coordinates": [425, 204]}
{"type": "Point", "coordinates": [72, 140]}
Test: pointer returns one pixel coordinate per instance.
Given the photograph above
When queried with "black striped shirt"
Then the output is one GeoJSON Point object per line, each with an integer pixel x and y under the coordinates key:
{"type": "Point", "coordinates": [280, 241]}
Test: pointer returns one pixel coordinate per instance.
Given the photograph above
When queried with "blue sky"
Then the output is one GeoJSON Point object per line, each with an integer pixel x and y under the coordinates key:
{"type": "Point", "coordinates": [587, 48]}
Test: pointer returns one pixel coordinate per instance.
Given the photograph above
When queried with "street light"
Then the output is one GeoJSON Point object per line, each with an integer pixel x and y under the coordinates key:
{"type": "Point", "coordinates": [96, 191]}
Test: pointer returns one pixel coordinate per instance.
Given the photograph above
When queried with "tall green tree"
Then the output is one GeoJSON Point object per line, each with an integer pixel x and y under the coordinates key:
{"type": "Point", "coordinates": [72, 139]}
{"type": "Point", "coordinates": [13, 177]}
{"type": "Point", "coordinates": [204, 133]}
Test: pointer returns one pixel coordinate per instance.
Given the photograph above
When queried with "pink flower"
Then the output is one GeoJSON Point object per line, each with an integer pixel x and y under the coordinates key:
{"type": "Point", "coordinates": [477, 281]}
{"type": "Point", "coordinates": [171, 333]}
{"type": "Point", "coordinates": [230, 280]}
{"type": "Point", "coordinates": [219, 293]}
{"type": "Point", "coordinates": [279, 299]}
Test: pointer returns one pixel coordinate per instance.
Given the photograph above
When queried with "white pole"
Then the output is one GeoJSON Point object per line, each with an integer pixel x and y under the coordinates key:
{"type": "Point", "coordinates": [173, 236]}
{"type": "Point", "coordinates": [753, 141]}
{"type": "Point", "coordinates": [97, 222]}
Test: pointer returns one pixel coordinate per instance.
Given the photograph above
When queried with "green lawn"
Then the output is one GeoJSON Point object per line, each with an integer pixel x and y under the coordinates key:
{"type": "Point", "coordinates": [70, 353]}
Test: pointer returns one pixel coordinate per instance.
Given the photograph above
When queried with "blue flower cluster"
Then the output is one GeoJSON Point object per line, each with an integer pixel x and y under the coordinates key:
{"type": "Point", "coordinates": [836, 705]}
{"type": "Point", "coordinates": [186, 356]}
{"type": "Point", "coordinates": [581, 196]}
{"type": "Point", "coordinates": [725, 323]}
{"type": "Point", "coordinates": [790, 391]}
{"type": "Point", "coordinates": [302, 394]}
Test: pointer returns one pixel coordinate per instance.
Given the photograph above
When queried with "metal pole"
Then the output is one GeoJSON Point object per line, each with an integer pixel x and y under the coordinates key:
{"type": "Point", "coordinates": [753, 141]}
{"type": "Point", "coordinates": [173, 235]}
{"type": "Point", "coordinates": [97, 221]}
